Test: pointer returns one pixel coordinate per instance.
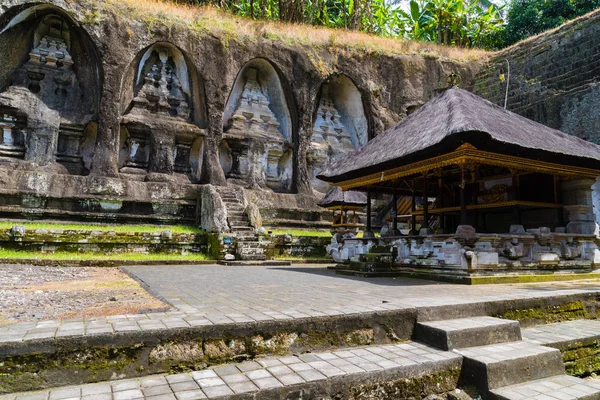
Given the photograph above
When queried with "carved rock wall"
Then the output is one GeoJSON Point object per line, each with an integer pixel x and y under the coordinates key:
{"type": "Point", "coordinates": [153, 105]}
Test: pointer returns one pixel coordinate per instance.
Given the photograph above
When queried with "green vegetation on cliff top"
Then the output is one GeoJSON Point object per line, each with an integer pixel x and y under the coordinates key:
{"type": "Point", "coordinates": [204, 20]}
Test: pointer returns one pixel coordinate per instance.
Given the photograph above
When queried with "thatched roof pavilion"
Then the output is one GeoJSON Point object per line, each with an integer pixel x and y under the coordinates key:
{"type": "Point", "coordinates": [337, 198]}
{"type": "Point", "coordinates": [477, 159]}
{"type": "Point", "coordinates": [340, 202]}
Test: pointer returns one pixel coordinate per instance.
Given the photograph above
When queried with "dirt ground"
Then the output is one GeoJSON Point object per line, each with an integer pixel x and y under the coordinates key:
{"type": "Point", "coordinates": [30, 292]}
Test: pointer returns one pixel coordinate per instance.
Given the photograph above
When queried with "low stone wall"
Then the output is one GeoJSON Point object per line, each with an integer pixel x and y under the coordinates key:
{"type": "Point", "coordinates": [35, 194]}
{"type": "Point", "coordinates": [295, 218]}
{"type": "Point", "coordinates": [307, 247]}
{"type": "Point", "coordinates": [37, 363]}
{"type": "Point", "coordinates": [72, 360]}
{"type": "Point", "coordinates": [551, 313]}
{"type": "Point", "coordinates": [50, 240]}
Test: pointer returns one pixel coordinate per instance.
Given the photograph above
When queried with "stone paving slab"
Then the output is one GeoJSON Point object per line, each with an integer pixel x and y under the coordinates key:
{"type": "Point", "coordinates": [560, 387]}
{"type": "Point", "coordinates": [249, 377]}
{"type": "Point", "coordinates": [220, 295]}
{"type": "Point", "coordinates": [561, 334]}
{"type": "Point", "coordinates": [461, 324]}
{"type": "Point", "coordinates": [467, 332]}
{"type": "Point", "coordinates": [498, 365]}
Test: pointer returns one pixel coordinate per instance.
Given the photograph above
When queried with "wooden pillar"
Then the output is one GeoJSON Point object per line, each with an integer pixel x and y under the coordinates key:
{"type": "Point", "coordinates": [558, 200]}
{"type": "Point", "coordinates": [474, 201]}
{"type": "Point", "coordinates": [425, 203]}
{"type": "Point", "coordinates": [413, 208]}
{"type": "Point", "coordinates": [463, 203]}
{"type": "Point", "coordinates": [442, 204]}
{"type": "Point", "coordinates": [395, 212]}
{"type": "Point", "coordinates": [516, 211]}
{"type": "Point", "coordinates": [369, 233]}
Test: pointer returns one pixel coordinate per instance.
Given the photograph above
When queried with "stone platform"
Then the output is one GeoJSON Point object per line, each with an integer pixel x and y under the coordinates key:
{"type": "Point", "coordinates": [227, 314]}
{"type": "Point", "coordinates": [314, 375]}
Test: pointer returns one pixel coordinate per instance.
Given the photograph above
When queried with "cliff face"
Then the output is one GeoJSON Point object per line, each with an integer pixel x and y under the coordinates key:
{"type": "Point", "coordinates": [104, 105]}
{"type": "Point", "coordinates": [553, 78]}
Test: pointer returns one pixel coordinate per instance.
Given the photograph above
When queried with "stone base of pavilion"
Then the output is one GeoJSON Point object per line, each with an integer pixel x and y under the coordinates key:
{"type": "Point", "coordinates": [470, 257]}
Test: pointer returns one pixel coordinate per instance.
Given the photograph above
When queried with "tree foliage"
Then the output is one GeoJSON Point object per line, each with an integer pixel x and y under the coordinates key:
{"type": "Point", "coordinates": [530, 17]}
{"type": "Point", "coordinates": [468, 23]}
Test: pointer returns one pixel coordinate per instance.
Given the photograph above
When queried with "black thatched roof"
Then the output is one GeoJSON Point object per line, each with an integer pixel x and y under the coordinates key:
{"type": "Point", "coordinates": [337, 197]}
{"type": "Point", "coordinates": [456, 116]}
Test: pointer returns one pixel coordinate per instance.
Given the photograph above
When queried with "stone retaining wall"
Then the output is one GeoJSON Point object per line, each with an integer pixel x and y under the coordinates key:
{"type": "Point", "coordinates": [305, 247]}
{"type": "Point", "coordinates": [553, 78]}
{"type": "Point", "coordinates": [50, 240]}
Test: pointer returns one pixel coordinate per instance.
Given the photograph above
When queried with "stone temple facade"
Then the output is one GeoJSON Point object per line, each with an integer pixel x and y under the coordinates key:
{"type": "Point", "coordinates": [127, 122]}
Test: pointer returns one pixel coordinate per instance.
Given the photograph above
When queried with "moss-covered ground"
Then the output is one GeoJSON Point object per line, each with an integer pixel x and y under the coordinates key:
{"type": "Point", "coordinates": [6, 254]}
{"type": "Point", "coordinates": [7, 224]}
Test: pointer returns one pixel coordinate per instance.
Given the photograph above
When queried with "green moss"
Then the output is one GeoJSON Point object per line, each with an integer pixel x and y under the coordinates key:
{"type": "Point", "coordinates": [213, 246]}
{"type": "Point", "coordinates": [314, 339]}
{"type": "Point", "coordinates": [478, 280]}
{"type": "Point", "coordinates": [37, 370]}
{"type": "Point", "coordinates": [581, 352]}
{"type": "Point", "coordinates": [98, 256]}
{"type": "Point", "coordinates": [418, 387]}
{"type": "Point", "coordinates": [301, 232]}
{"type": "Point", "coordinates": [565, 312]}
{"type": "Point", "coordinates": [583, 366]}
{"type": "Point", "coordinates": [19, 382]}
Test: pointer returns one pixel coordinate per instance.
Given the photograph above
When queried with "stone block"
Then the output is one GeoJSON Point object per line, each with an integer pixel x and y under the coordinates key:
{"type": "Point", "coordinates": [547, 258]}
{"type": "Point", "coordinates": [484, 258]}
{"type": "Point", "coordinates": [498, 365]}
{"type": "Point", "coordinates": [466, 232]}
{"type": "Point", "coordinates": [213, 213]}
{"type": "Point", "coordinates": [467, 332]}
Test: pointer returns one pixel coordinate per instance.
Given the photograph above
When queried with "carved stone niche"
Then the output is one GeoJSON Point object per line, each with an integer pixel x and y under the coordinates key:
{"type": "Point", "coordinates": [51, 107]}
{"type": "Point", "coordinates": [49, 71]}
{"type": "Point", "coordinates": [335, 134]}
{"type": "Point", "coordinates": [135, 150]}
{"type": "Point", "coordinates": [158, 139]}
{"type": "Point", "coordinates": [254, 152]}
{"type": "Point", "coordinates": [68, 149]}
{"type": "Point", "coordinates": [12, 140]}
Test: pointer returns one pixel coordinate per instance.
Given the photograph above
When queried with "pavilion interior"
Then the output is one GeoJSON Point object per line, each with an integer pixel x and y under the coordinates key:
{"type": "Point", "coordinates": [494, 198]}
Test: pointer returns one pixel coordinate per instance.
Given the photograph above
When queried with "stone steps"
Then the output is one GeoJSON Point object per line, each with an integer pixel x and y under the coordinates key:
{"type": "Point", "coordinates": [247, 263]}
{"type": "Point", "coordinates": [495, 359]}
{"type": "Point", "coordinates": [467, 332]}
{"type": "Point", "coordinates": [555, 387]}
{"type": "Point", "coordinates": [499, 365]}
{"type": "Point", "coordinates": [241, 228]}
{"type": "Point", "coordinates": [371, 371]}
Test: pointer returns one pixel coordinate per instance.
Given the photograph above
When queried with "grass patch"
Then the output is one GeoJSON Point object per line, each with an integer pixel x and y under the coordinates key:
{"type": "Point", "coordinates": [310, 258]}
{"type": "Point", "coordinates": [84, 256]}
{"type": "Point", "coordinates": [124, 228]}
{"type": "Point", "coordinates": [300, 232]}
{"type": "Point", "coordinates": [204, 20]}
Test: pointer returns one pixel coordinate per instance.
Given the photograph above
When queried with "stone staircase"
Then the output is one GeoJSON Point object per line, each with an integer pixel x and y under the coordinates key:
{"type": "Point", "coordinates": [248, 246]}
{"type": "Point", "coordinates": [236, 211]}
{"type": "Point", "coordinates": [501, 365]}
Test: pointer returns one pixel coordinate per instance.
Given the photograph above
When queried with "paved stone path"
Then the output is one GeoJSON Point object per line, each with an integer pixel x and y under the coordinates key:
{"type": "Point", "coordinates": [207, 295]}
{"type": "Point", "coordinates": [262, 374]}
{"type": "Point", "coordinates": [258, 293]}
{"type": "Point", "coordinates": [556, 388]}
{"type": "Point", "coordinates": [563, 332]}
